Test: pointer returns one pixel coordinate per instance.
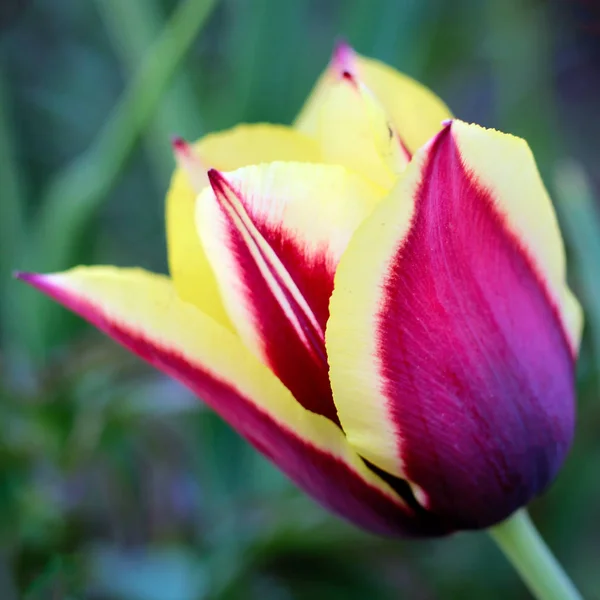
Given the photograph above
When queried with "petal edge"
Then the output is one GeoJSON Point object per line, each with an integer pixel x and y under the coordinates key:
{"type": "Point", "coordinates": [141, 311]}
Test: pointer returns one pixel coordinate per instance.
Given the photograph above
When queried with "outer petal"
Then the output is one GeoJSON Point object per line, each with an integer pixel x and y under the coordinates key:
{"type": "Point", "coordinates": [504, 165]}
{"type": "Point", "coordinates": [143, 313]}
{"type": "Point", "coordinates": [243, 145]}
{"type": "Point", "coordinates": [415, 112]}
{"type": "Point", "coordinates": [451, 359]}
{"type": "Point", "coordinates": [274, 235]}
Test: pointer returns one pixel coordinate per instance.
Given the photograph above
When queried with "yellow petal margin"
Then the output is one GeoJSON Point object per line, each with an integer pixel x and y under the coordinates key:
{"type": "Point", "coordinates": [351, 335]}
{"type": "Point", "coordinates": [415, 112]}
{"type": "Point", "coordinates": [143, 312]}
{"type": "Point", "coordinates": [504, 166]}
{"type": "Point", "coordinates": [228, 150]}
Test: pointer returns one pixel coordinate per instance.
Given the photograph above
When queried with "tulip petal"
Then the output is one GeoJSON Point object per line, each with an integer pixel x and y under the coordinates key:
{"type": "Point", "coordinates": [415, 113]}
{"type": "Point", "coordinates": [274, 235]}
{"type": "Point", "coordinates": [142, 312]}
{"type": "Point", "coordinates": [505, 165]}
{"type": "Point", "coordinates": [451, 357]}
{"type": "Point", "coordinates": [243, 145]}
{"type": "Point", "coordinates": [353, 130]}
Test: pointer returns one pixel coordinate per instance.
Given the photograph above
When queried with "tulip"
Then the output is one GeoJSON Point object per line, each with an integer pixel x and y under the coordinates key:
{"type": "Point", "coordinates": [382, 311]}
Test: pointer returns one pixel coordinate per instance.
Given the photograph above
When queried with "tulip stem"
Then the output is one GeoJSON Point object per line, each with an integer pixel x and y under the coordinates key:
{"type": "Point", "coordinates": [524, 547]}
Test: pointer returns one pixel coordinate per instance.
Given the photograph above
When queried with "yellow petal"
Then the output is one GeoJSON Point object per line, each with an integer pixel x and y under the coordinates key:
{"type": "Point", "coordinates": [243, 145]}
{"type": "Point", "coordinates": [144, 313]}
{"type": "Point", "coordinates": [354, 132]}
{"type": "Point", "coordinates": [415, 112]}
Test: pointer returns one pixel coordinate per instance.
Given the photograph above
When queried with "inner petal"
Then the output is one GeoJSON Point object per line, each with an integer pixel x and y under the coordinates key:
{"type": "Point", "coordinates": [274, 235]}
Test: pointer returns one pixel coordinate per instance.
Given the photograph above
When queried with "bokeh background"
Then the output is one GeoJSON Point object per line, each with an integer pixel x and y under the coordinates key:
{"type": "Point", "coordinates": [116, 484]}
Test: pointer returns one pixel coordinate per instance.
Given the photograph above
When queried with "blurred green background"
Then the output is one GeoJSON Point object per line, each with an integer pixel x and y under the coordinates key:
{"type": "Point", "coordinates": [115, 484]}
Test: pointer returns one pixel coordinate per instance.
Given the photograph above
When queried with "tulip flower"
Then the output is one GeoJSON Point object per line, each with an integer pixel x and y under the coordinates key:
{"type": "Point", "coordinates": [382, 311]}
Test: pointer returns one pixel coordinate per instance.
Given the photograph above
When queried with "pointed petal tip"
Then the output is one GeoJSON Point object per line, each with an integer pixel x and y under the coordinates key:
{"type": "Point", "coordinates": [343, 61]}
{"type": "Point", "coordinates": [40, 281]}
{"type": "Point", "coordinates": [447, 122]}
{"type": "Point", "coordinates": [348, 76]}
{"type": "Point", "coordinates": [188, 160]}
{"type": "Point", "coordinates": [219, 183]}
{"type": "Point", "coordinates": [180, 146]}
{"type": "Point", "coordinates": [216, 179]}
{"type": "Point", "coordinates": [47, 283]}
{"type": "Point", "coordinates": [30, 278]}
{"type": "Point", "coordinates": [342, 47]}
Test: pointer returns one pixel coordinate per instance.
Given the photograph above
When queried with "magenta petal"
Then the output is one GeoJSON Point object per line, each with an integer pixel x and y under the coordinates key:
{"type": "Point", "coordinates": [474, 353]}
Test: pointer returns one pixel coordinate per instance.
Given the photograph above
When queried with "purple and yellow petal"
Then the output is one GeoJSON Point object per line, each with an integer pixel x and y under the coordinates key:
{"type": "Point", "coordinates": [451, 356]}
{"type": "Point", "coordinates": [274, 235]}
{"type": "Point", "coordinates": [143, 312]}
{"type": "Point", "coordinates": [243, 145]}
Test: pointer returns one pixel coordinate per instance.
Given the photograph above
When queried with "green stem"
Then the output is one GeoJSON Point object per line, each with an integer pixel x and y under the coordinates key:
{"type": "Point", "coordinates": [521, 543]}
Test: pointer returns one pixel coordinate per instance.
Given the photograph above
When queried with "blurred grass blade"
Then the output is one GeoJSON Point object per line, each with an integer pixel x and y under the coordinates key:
{"type": "Point", "coordinates": [580, 219]}
{"type": "Point", "coordinates": [13, 202]}
{"type": "Point", "coordinates": [522, 73]}
{"type": "Point", "coordinates": [178, 111]}
{"type": "Point", "coordinates": [74, 196]}
{"type": "Point", "coordinates": [77, 192]}
{"type": "Point", "coordinates": [12, 225]}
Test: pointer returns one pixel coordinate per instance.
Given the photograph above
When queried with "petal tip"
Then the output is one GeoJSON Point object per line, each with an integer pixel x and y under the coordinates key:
{"type": "Point", "coordinates": [38, 280]}
{"type": "Point", "coordinates": [343, 61]}
{"type": "Point", "coordinates": [349, 77]}
{"type": "Point", "coordinates": [43, 282]}
{"type": "Point", "coordinates": [218, 182]}
{"type": "Point", "coordinates": [34, 279]}
{"type": "Point", "coordinates": [180, 146]}
{"type": "Point", "coordinates": [21, 275]}
{"type": "Point", "coordinates": [215, 177]}
{"type": "Point", "coordinates": [190, 162]}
